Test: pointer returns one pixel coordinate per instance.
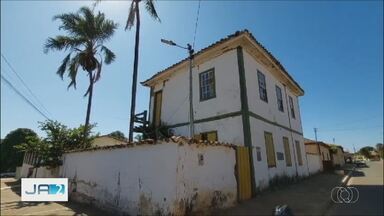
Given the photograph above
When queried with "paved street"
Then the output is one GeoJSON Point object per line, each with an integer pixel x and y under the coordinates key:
{"type": "Point", "coordinates": [369, 182]}
{"type": "Point", "coordinates": [11, 204]}
{"type": "Point", "coordinates": [308, 197]}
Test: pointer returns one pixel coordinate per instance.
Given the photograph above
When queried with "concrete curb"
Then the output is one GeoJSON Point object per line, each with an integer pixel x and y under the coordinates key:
{"type": "Point", "coordinates": [346, 179]}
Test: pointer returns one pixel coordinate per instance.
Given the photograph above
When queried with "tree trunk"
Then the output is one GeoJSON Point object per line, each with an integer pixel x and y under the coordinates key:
{"type": "Point", "coordinates": [134, 79]}
{"type": "Point", "coordinates": [89, 102]}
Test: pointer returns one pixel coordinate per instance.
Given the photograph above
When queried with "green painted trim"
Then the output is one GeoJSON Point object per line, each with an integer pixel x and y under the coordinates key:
{"type": "Point", "coordinates": [214, 118]}
{"type": "Point", "coordinates": [245, 114]}
{"type": "Point", "coordinates": [254, 115]}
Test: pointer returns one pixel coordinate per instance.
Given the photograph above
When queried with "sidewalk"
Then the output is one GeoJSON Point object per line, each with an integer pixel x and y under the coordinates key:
{"type": "Point", "coordinates": [308, 197]}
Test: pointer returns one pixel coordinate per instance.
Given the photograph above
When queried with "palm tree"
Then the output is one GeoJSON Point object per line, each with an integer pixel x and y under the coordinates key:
{"type": "Point", "coordinates": [134, 13]}
{"type": "Point", "coordinates": [86, 34]}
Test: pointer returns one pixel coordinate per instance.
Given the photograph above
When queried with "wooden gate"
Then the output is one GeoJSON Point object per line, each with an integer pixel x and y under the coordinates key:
{"type": "Point", "coordinates": [243, 172]}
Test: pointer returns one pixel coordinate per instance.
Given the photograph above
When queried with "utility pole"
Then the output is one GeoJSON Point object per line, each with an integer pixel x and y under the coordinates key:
{"type": "Point", "coordinates": [191, 126]}
{"type": "Point", "coordinates": [190, 52]}
{"type": "Point", "coordinates": [333, 140]}
{"type": "Point", "coordinates": [318, 144]}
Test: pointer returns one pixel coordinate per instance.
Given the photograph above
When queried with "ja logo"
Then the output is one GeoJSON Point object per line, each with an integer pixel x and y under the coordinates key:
{"type": "Point", "coordinates": [53, 189]}
{"type": "Point", "coordinates": [44, 189]}
{"type": "Point", "coordinates": [344, 194]}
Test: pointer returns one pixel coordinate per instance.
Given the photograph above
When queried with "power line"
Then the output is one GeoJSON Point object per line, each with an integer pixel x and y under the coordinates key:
{"type": "Point", "coordinates": [354, 129]}
{"type": "Point", "coordinates": [22, 96]}
{"type": "Point", "coordinates": [25, 84]}
{"type": "Point", "coordinates": [197, 21]}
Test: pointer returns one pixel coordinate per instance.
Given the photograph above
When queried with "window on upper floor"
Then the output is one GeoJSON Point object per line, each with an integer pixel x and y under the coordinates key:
{"type": "Point", "coordinates": [207, 84]}
{"type": "Point", "coordinates": [292, 107]}
{"type": "Point", "coordinates": [279, 97]}
{"type": "Point", "coordinates": [262, 86]}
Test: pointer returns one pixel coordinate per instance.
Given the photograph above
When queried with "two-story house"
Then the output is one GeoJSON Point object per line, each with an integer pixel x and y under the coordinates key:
{"type": "Point", "coordinates": [241, 95]}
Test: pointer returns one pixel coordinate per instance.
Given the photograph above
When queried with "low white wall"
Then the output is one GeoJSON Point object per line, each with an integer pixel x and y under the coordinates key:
{"type": "Point", "coordinates": [18, 172]}
{"type": "Point", "coordinates": [41, 172]}
{"type": "Point", "coordinates": [44, 172]}
{"type": "Point", "coordinates": [314, 163]}
{"type": "Point", "coordinates": [24, 170]}
{"type": "Point", "coordinates": [165, 178]}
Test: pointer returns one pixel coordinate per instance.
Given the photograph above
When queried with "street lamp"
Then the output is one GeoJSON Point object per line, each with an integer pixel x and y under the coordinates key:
{"type": "Point", "coordinates": [190, 52]}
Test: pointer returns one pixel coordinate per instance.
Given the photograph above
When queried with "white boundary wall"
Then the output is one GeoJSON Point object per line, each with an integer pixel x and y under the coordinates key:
{"type": "Point", "coordinates": [314, 163]}
{"type": "Point", "coordinates": [148, 179]}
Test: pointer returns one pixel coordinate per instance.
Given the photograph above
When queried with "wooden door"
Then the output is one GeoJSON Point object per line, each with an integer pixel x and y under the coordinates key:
{"type": "Point", "coordinates": [157, 108]}
{"type": "Point", "coordinates": [243, 172]}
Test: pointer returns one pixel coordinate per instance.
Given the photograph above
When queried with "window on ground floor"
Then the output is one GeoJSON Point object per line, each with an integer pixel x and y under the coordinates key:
{"type": "Point", "coordinates": [287, 151]}
{"type": "Point", "coordinates": [210, 136]}
{"type": "Point", "coordinates": [298, 151]}
{"type": "Point", "coordinates": [270, 149]}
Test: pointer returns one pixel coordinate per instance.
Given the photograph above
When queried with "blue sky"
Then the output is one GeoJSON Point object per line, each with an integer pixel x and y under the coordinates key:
{"type": "Point", "coordinates": [333, 49]}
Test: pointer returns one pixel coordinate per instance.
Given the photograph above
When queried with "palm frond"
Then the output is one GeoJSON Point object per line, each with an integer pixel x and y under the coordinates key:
{"type": "Point", "coordinates": [61, 70]}
{"type": "Point", "coordinates": [98, 72]}
{"type": "Point", "coordinates": [150, 7]}
{"type": "Point", "coordinates": [86, 32]}
{"type": "Point", "coordinates": [109, 56]}
{"type": "Point", "coordinates": [88, 21]}
{"type": "Point", "coordinates": [104, 28]}
{"type": "Point", "coordinates": [62, 42]}
{"type": "Point", "coordinates": [69, 23]}
{"type": "Point", "coordinates": [73, 68]}
{"type": "Point", "coordinates": [131, 15]}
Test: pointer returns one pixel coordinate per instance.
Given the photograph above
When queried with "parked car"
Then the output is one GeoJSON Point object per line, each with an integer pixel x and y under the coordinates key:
{"type": "Point", "coordinates": [360, 163]}
{"type": "Point", "coordinates": [7, 175]}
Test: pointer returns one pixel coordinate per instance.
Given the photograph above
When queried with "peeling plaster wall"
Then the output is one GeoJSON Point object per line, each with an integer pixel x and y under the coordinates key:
{"type": "Point", "coordinates": [164, 178]}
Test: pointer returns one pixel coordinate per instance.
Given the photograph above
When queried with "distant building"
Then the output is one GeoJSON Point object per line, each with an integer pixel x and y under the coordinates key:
{"type": "Point", "coordinates": [322, 150]}
{"type": "Point", "coordinates": [312, 146]}
{"type": "Point", "coordinates": [107, 140]}
{"type": "Point", "coordinates": [337, 155]}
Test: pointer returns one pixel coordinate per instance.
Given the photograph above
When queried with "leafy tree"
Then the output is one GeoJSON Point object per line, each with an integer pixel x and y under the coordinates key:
{"type": "Point", "coordinates": [59, 138]}
{"type": "Point", "coordinates": [365, 151]}
{"type": "Point", "coordinates": [9, 157]}
{"type": "Point", "coordinates": [134, 13]}
{"type": "Point", "coordinates": [86, 34]}
{"type": "Point", "coordinates": [118, 135]}
{"type": "Point", "coordinates": [380, 149]}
